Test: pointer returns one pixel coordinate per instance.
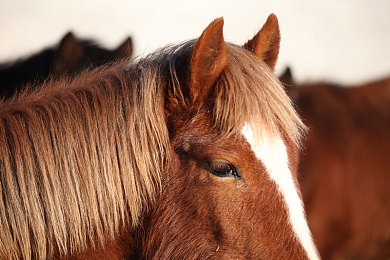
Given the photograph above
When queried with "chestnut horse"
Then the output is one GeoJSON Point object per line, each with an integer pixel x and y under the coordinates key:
{"type": "Point", "coordinates": [345, 168]}
{"type": "Point", "coordinates": [188, 153]}
{"type": "Point", "coordinates": [70, 57]}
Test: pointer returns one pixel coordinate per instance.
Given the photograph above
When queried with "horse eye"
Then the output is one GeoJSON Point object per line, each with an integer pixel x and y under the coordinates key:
{"type": "Point", "coordinates": [223, 169]}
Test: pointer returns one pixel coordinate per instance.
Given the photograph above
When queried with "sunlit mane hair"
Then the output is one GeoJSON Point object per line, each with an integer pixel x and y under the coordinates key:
{"type": "Point", "coordinates": [246, 92]}
{"type": "Point", "coordinates": [80, 159]}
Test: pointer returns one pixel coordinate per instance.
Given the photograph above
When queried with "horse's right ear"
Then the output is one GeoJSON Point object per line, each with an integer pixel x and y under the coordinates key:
{"type": "Point", "coordinates": [209, 58]}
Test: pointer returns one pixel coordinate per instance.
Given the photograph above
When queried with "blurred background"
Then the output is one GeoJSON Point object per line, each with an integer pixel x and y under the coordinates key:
{"type": "Point", "coordinates": [342, 41]}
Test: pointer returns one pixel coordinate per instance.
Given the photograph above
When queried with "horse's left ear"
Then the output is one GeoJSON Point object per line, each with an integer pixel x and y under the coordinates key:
{"type": "Point", "coordinates": [266, 42]}
{"type": "Point", "coordinates": [208, 60]}
{"type": "Point", "coordinates": [68, 53]}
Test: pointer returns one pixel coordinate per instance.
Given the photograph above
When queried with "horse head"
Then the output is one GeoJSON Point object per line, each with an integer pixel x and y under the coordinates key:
{"type": "Point", "coordinates": [230, 189]}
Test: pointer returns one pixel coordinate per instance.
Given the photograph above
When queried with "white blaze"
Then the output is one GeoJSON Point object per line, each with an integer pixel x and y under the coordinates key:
{"type": "Point", "coordinates": [272, 152]}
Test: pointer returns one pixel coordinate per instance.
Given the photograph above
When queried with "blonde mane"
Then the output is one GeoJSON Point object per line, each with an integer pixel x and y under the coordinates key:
{"type": "Point", "coordinates": [246, 92]}
{"type": "Point", "coordinates": [81, 159]}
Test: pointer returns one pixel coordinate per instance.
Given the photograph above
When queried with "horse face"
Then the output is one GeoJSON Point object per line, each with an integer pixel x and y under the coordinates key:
{"type": "Point", "coordinates": [227, 196]}
{"type": "Point", "coordinates": [222, 201]}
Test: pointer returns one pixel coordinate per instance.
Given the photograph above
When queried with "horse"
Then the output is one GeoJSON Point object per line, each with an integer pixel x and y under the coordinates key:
{"type": "Point", "coordinates": [345, 166]}
{"type": "Point", "coordinates": [187, 153]}
{"type": "Point", "coordinates": [71, 56]}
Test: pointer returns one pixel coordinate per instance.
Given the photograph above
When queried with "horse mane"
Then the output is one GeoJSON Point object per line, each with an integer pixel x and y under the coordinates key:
{"type": "Point", "coordinates": [82, 159]}
{"type": "Point", "coordinates": [246, 92]}
{"type": "Point", "coordinates": [257, 97]}
{"type": "Point", "coordinates": [79, 160]}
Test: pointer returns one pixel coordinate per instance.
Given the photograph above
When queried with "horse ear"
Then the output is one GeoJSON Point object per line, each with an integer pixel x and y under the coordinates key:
{"type": "Point", "coordinates": [208, 60]}
{"type": "Point", "coordinates": [286, 77]}
{"type": "Point", "coordinates": [288, 82]}
{"type": "Point", "coordinates": [266, 42]}
{"type": "Point", "coordinates": [125, 49]}
{"type": "Point", "coordinates": [69, 51]}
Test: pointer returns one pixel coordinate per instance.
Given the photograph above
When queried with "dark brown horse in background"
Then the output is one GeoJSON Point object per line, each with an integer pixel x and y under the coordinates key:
{"type": "Point", "coordinates": [188, 153]}
{"type": "Point", "coordinates": [69, 57]}
{"type": "Point", "coordinates": [345, 167]}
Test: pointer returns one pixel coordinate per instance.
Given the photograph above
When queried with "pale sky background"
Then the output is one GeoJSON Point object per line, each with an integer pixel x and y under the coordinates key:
{"type": "Point", "coordinates": [345, 41]}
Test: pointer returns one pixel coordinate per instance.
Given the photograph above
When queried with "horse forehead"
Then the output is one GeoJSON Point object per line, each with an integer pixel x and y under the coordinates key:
{"type": "Point", "coordinates": [272, 152]}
